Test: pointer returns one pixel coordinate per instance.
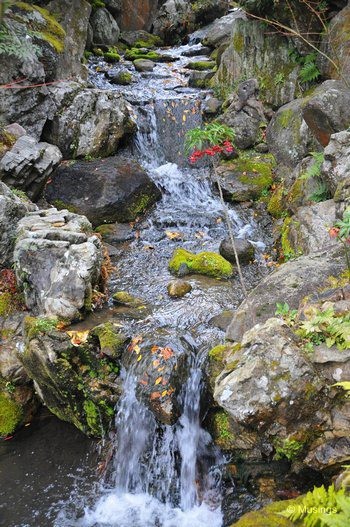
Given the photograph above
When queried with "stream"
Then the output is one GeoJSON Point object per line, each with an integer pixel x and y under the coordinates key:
{"type": "Point", "coordinates": [159, 475]}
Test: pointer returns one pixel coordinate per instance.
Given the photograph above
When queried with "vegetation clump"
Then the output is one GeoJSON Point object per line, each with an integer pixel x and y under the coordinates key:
{"type": "Point", "coordinates": [141, 53]}
{"type": "Point", "coordinates": [10, 415]}
{"type": "Point", "coordinates": [206, 263]}
{"type": "Point", "coordinates": [201, 65]}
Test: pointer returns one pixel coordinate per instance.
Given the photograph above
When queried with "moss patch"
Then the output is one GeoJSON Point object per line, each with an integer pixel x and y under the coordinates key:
{"type": "Point", "coordinates": [126, 299]}
{"type": "Point", "coordinates": [136, 53]}
{"type": "Point", "coordinates": [10, 415]}
{"type": "Point", "coordinates": [268, 516]}
{"type": "Point", "coordinates": [238, 42]}
{"type": "Point", "coordinates": [35, 326]}
{"type": "Point", "coordinates": [148, 41]}
{"type": "Point", "coordinates": [206, 263]}
{"type": "Point", "coordinates": [201, 65]}
{"type": "Point", "coordinates": [276, 204]}
{"type": "Point", "coordinates": [288, 251]}
{"type": "Point", "coordinates": [221, 430]}
{"type": "Point", "coordinates": [111, 340]}
{"type": "Point", "coordinates": [6, 305]}
{"type": "Point", "coordinates": [7, 141]}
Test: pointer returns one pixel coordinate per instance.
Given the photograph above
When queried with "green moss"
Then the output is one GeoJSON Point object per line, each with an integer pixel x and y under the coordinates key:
{"type": "Point", "coordinates": [111, 341]}
{"type": "Point", "coordinates": [60, 205]}
{"type": "Point", "coordinates": [51, 31]}
{"type": "Point", "coordinates": [125, 78]}
{"type": "Point", "coordinates": [97, 4]}
{"type": "Point", "coordinates": [112, 55]}
{"type": "Point", "coordinates": [135, 53]}
{"type": "Point", "coordinates": [7, 141]}
{"type": "Point", "coordinates": [296, 191]}
{"type": "Point", "coordinates": [6, 304]}
{"type": "Point", "coordinates": [276, 204]}
{"type": "Point", "coordinates": [287, 249]}
{"type": "Point", "coordinates": [35, 326]}
{"type": "Point", "coordinates": [221, 429]}
{"type": "Point", "coordinates": [206, 263]}
{"type": "Point", "coordinates": [218, 353]}
{"type": "Point", "coordinates": [92, 418]}
{"type": "Point", "coordinates": [268, 516]}
{"type": "Point", "coordinates": [284, 117]}
{"type": "Point", "coordinates": [287, 448]}
{"type": "Point", "coordinates": [126, 299]}
{"type": "Point", "coordinates": [238, 42]}
{"type": "Point", "coordinates": [139, 206]}
{"type": "Point", "coordinates": [201, 65]}
{"type": "Point", "coordinates": [10, 415]}
{"type": "Point", "coordinates": [98, 52]}
{"type": "Point", "coordinates": [106, 229]}
{"type": "Point", "coordinates": [149, 41]}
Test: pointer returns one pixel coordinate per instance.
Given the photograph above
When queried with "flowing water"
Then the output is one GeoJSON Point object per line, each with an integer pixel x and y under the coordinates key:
{"type": "Point", "coordinates": [163, 475]}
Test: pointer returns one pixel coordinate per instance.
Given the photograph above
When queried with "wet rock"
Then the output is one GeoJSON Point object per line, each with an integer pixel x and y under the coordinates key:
{"type": "Point", "coordinates": [28, 165]}
{"type": "Point", "coordinates": [219, 31]}
{"type": "Point", "coordinates": [327, 110]}
{"type": "Point", "coordinates": [288, 137]}
{"type": "Point", "coordinates": [87, 122]}
{"type": "Point", "coordinates": [114, 7]}
{"type": "Point", "coordinates": [251, 50]}
{"type": "Point", "coordinates": [298, 189]}
{"type": "Point", "coordinates": [111, 340]}
{"type": "Point", "coordinates": [114, 233]}
{"type": "Point", "coordinates": [140, 39]}
{"type": "Point", "coordinates": [268, 516]}
{"type": "Point", "coordinates": [200, 79]}
{"type": "Point", "coordinates": [124, 298]}
{"type": "Point", "coordinates": [245, 178]}
{"type": "Point", "coordinates": [144, 65]}
{"type": "Point", "coordinates": [105, 29]}
{"type": "Point", "coordinates": [178, 288]}
{"type": "Point", "coordinates": [245, 250]}
{"type": "Point", "coordinates": [104, 190]}
{"type": "Point", "coordinates": [333, 453]}
{"type": "Point", "coordinates": [206, 263]}
{"type": "Point", "coordinates": [336, 166]}
{"type": "Point", "coordinates": [290, 283]}
{"type": "Point", "coordinates": [308, 229]}
{"type": "Point", "coordinates": [71, 379]}
{"type": "Point", "coordinates": [50, 247]}
{"type": "Point", "coordinates": [123, 77]}
{"type": "Point", "coordinates": [12, 209]}
{"type": "Point", "coordinates": [342, 198]}
{"type": "Point", "coordinates": [212, 105]}
{"type": "Point", "coordinates": [194, 52]}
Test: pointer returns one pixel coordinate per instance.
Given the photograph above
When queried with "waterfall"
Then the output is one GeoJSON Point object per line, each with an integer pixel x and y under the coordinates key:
{"type": "Point", "coordinates": [164, 476]}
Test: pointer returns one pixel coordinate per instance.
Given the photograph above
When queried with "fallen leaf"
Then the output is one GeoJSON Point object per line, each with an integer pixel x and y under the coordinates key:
{"type": "Point", "coordinates": [156, 363]}
{"type": "Point", "coordinates": [139, 358]}
{"type": "Point", "coordinates": [166, 353]}
{"type": "Point", "coordinates": [137, 348]}
{"type": "Point", "coordinates": [78, 337]}
{"type": "Point", "coordinates": [158, 380]}
{"type": "Point", "coordinates": [173, 235]}
{"type": "Point", "coordinates": [143, 382]}
{"type": "Point", "coordinates": [164, 393]}
{"type": "Point", "coordinates": [155, 395]}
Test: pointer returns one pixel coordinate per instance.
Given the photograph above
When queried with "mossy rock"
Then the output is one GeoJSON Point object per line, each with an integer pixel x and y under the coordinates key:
{"type": "Point", "coordinates": [217, 360]}
{"type": "Point", "coordinates": [111, 340]}
{"type": "Point", "coordinates": [112, 56]}
{"type": "Point", "coordinates": [247, 177]}
{"type": "Point", "coordinates": [124, 298]}
{"type": "Point", "coordinates": [269, 516]}
{"type": "Point", "coordinates": [7, 141]}
{"type": "Point", "coordinates": [124, 78]}
{"type": "Point", "coordinates": [222, 431]}
{"type": "Point", "coordinates": [149, 41]}
{"type": "Point", "coordinates": [206, 263]}
{"type": "Point", "coordinates": [10, 414]}
{"type": "Point", "coordinates": [276, 203]}
{"type": "Point", "coordinates": [201, 65]}
{"type": "Point", "coordinates": [290, 248]}
{"type": "Point", "coordinates": [141, 53]}
{"type": "Point", "coordinates": [34, 326]}
{"type": "Point", "coordinates": [6, 304]}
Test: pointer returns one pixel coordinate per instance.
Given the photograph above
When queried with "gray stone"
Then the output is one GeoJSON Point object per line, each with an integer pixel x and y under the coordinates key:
{"type": "Point", "coordinates": [245, 250]}
{"type": "Point", "coordinates": [87, 122]}
{"type": "Point", "coordinates": [336, 166]}
{"type": "Point", "coordinates": [218, 32]}
{"type": "Point", "coordinates": [144, 65]}
{"type": "Point", "coordinates": [212, 105]}
{"type": "Point", "coordinates": [12, 209]}
{"type": "Point", "coordinates": [106, 190]}
{"type": "Point", "coordinates": [308, 230]}
{"type": "Point", "coordinates": [337, 46]}
{"type": "Point", "coordinates": [114, 6]}
{"type": "Point", "coordinates": [327, 110]}
{"type": "Point", "coordinates": [289, 283]}
{"type": "Point", "coordinates": [28, 165]}
{"type": "Point", "coordinates": [199, 79]}
{"type": "Point", "coordinates": [178, 288]}
{"type": "Point", "coordinates": [330, 455]}
{"type": "Point", "coordinates": [288, 137]}
{"type": "Point", "coordinates": [105, 29]}
{"type": "Point", "coordinates": [57, 262]}
{"type": "Point", "coordinates": [15, 130]}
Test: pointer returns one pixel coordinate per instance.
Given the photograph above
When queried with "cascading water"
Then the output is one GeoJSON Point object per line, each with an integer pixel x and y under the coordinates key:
{"type": "Point", "coordinates": [162, 476]}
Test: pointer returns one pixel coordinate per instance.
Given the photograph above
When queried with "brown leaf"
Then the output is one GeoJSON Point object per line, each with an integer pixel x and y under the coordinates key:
{"type": "Point", "coordinates": [156, 363]}
{"type": "Point", "coordinates": [155, 395]}
{"type": "Point", "coordinates": [166, 353]}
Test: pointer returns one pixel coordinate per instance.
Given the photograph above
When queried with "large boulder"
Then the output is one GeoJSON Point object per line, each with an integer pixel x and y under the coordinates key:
{"type": "Point", "coordinates": [327, 110]}
{"type": "Point", "coordinates": [218, 32]}
{"type": "Point", "coordinates": [58, 263]}
{"type": "Point", "coordinates": [105, 29]}
{"type": "Point", "coordinates": [107, 190]}
{"type": "Point", "coordinates": [12, 209]}
{"type": "Point", "coordinates": [28, 165]}
{"type": "Point", "coordinates": [74, 19]}
{"type": "Point", "coordinates": [136, 14]}
{"type": "Point", "coordinates": [336, 166]}
{"type": "Point", "coordinates": [289, 283]}
{"type": "Point", "coordinates": [87, 122]}
{"type": "Point", "coordinates": [308, 229]}
{"type": "Point", "coordinates": [336, 45]}
{"type": "Point", "coordinates": [74, 378]}
{"type": "Point", "coordinates": [253, 53]}
{"type": "Point", "coordinates": [288, 137]}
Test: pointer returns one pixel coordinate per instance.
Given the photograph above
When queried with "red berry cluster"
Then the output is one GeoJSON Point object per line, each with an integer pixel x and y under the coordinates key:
{"type": "Point", "coordinates": [226, 148]}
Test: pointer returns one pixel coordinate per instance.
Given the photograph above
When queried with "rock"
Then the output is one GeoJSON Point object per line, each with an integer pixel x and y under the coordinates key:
{"type": "Point", "coordinates": [124, 298]}
{"type": "Point", "coordinates": [111, 341]}
{"type": "Point", "coordinates": [218, 32]}
{"type": "Point", "coordinates": [105, 29]}
{"type": "Point", "coordinates": [74, 19]}
{"type": "Point", "coordinates": [289, 283]}
{"type": "Point", "coordinates": [288, 137]}
{"type": "Point", "coordinates": [87, 122]}
{"type": "Point", "coordinates": [269, 516]}
{"type": "Point", "coordinates": [200, 79]}
{"type": "Point", "coordinates": [114, 7]}
{"type": "Point", "coordinates": [342, 198]}
{"type": "Point", "coordinates": [104, 190]}
{"type": "Point", "coordinates": [336, 166]}
{"type": "Point", "coordinates": [197, 52]}
{"type": "Point", "coordinates": [12, 209]}
{"type": "Point", "coordinates": [71, 379]}
{"type": "Point", "coordinates": [140, 39]}
{"type": "Point", "coordinates": [299, 188]}
{"type": "Point", "coordinates": [122, 77]}
{"type": "Point", "coordinates": [327, 110]}
{"type": "Point", "coordinates": [308, 229]}
{"type": "Point", "coordinates": [212, 105]}
{"type": "Point", "coordinates": [28, 165]}
{"type": "Point", "coordinates": [15, 130]}
{"type": "Point", "coordinates": [178, 288]}
{"type": "Point", "coordinates": [51, 246]}
{"type": "Point", "coordinates": [207, 263]}
{"type": "Point", "coordinates": [336, 45]}
{"type": "Point", "coordinates": [245, 178]}
{"type": "Point", "coordinates": [115, 233]}
{"type": "Point", "coordinates": [137, 14]}
{"type": "Point", "coordinates": [331, 454]}
{"type": "Point", "coordinates": [251, 51]}
{"type": "Point", "coordinates": [144, 65]}
{"type": "Point", "coordinates": [245, 251]}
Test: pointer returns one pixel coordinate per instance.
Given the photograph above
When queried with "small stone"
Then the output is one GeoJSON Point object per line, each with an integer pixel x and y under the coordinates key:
{"type": "Point", "coordinates": [245, 251]}
{"type": "Point", "coordinates": [144, 65]}
{"type": "Point", "coordinates": [178, 288]}
{"type": "Point", "coordinates": [124, 298]}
